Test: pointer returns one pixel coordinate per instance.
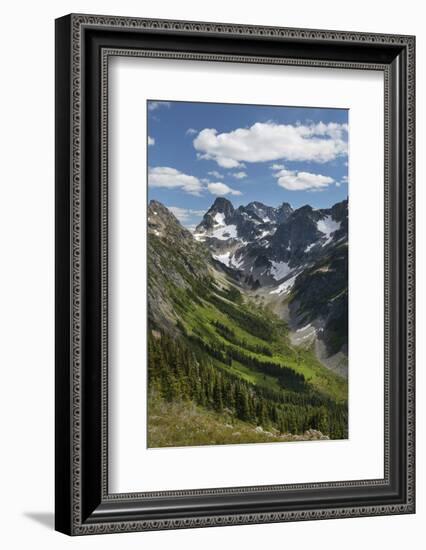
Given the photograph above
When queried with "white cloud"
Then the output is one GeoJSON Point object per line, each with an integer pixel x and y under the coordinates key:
{"type": "Point", "coordinates": [154, 105]}
{"type": "Point", "coordinates": [215, 174]}
{"type": "Point", "coordinates": [267, 141]}
{"type": "Point", "coordinates": [191, 132]}
{"type": "Point", "coordinates": [151, 141]}
{"type": "Point", "coordinates": [302, 181]}
{"type": "Point", "coordinates": [219, 188]}
{"type": "Point", "coordinates": [185, 214]}
{"type": "Point", "coordinates": [223, 162]}
{"type": "Point", "coordinates": [239, 175]}
{"type": "Point", "coordinates": [163, 176]}
{"type": "Point", "coordinates": [170, 178]}
{"type": "Point", "coordinates": [277, 167]}
{"type": "Point", "coordinates": [342, 182]}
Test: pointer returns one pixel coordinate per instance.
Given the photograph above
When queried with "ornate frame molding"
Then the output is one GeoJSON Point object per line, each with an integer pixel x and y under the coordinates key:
{"type": "Point", "coordinates": [72, 46]}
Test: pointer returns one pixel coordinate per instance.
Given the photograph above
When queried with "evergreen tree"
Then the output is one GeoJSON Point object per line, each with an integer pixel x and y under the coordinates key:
{"type": "Point", "coordinates": [178, 373]}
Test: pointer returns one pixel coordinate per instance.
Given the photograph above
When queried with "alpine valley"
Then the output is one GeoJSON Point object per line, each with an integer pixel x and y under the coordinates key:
{"type": "Point", "coordinates": [248, 325]}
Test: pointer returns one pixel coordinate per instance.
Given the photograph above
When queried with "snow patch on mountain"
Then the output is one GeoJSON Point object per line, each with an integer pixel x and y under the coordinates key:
{"type": "Point", "coordinates": [219, 218]}
{"type": "Point", "coordinates": [309, 247]}
{"type": "Point", "coordinates": [228, 259]}
{"type": "Point", "coordinates": [223, 258]}
{"type": "Point", "coordinates": [264, 233]}
{"type": "Point", "coordinates": [279, 270]}
{"type": "Point", "coordinates": [236, 263]}
{"type": "Point", "coordinates": [327, 226]}
{"type": "Point", "coordinates": [199, 236]}
{"type": "Point", "coordinates": [304, 328]}
{"type": "Point", "coordinates": [225, 232]}
{"type": "Point", "coordinates": [284, 287]}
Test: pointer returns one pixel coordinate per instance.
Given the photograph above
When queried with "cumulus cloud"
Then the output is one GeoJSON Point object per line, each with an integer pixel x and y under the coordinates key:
{"type": "Point", "coordinates": [268, 141]}
{"type": "Point", "coordinates": [154, 105]}
{"type": "Point", "coordinates": [151, 141]}
{"type": "Point", "coordinates": [302, 181]}
{"type": "Point", "coordinates": [191, 132]}
{"type": "Point", "coordinates": [219, 188]}
{"type": "Point", "coordinates": [170, 178]}
{"type": "Point", "coordinates": [239, 175]}
{"type": "Point", "coordinates": [215, 174]}
{"type": "Point", "coordinates": [163, 176]}
{"type": "Point", "coordinates": [185, 214]}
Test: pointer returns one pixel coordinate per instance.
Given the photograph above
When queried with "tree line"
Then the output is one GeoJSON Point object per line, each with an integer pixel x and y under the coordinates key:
{"type": "Point", "coordinates": [181, 372]}
{"type": "Point", "coordinates": [230, 335]}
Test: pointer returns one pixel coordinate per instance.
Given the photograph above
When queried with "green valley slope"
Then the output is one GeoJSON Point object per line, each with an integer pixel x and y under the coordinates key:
{"type": "Point", "coordinates": [213, 349]}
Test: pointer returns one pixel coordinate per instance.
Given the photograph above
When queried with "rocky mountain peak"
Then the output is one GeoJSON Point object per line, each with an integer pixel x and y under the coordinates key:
{"type": "Point", "coordinates": [257, 208]}
{"type": "Point", "coordinates": [162, 223]}
{"type": "Point", "coordinates": [283, 212]}
{"type": "Point", "coordinates": [157, 208]}
{"type": "Point", "coordinates": [222, 206]}
{"type": "Point", "coordinates": [256, 204]}
{"type": "Point", "coordinates": [220, 213]}
{"type": "Point", "coordinates": [261, 212]}
{"type": "Point", "coordinates": [304, 210]}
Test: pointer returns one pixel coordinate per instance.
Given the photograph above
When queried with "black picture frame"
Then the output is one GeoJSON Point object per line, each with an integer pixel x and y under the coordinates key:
{"type": "Point", "coordinates": [83, 504]}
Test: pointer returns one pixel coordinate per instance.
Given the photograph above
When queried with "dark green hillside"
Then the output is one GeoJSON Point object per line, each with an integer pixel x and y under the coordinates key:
{"type": "Point", "coordinates": [212, 351]}
{"type": "Point", "coordinates": [177, 374]}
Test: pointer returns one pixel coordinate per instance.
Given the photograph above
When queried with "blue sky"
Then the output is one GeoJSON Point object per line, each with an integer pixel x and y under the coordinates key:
{"type": "Point", "coordinates": [199, 151]}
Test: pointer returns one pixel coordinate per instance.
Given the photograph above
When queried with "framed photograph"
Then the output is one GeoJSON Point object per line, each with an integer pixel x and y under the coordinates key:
{"type": "Point", "coordinates": [234, 274]}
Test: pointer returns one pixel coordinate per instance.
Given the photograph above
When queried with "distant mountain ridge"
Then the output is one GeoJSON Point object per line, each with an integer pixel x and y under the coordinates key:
{"type": "Point", "coordinates": [246, 223]}
{"type": "Point", "coordinates": [293, 260]}
{"type": "Point", "coordinates": [270, 243]}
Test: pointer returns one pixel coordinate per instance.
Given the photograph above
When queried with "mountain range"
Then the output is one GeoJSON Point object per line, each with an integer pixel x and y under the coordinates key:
{"type": "Point", "coordinates": [248, 322]}
{"type": "Point", "coordinates": [294, 260]}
